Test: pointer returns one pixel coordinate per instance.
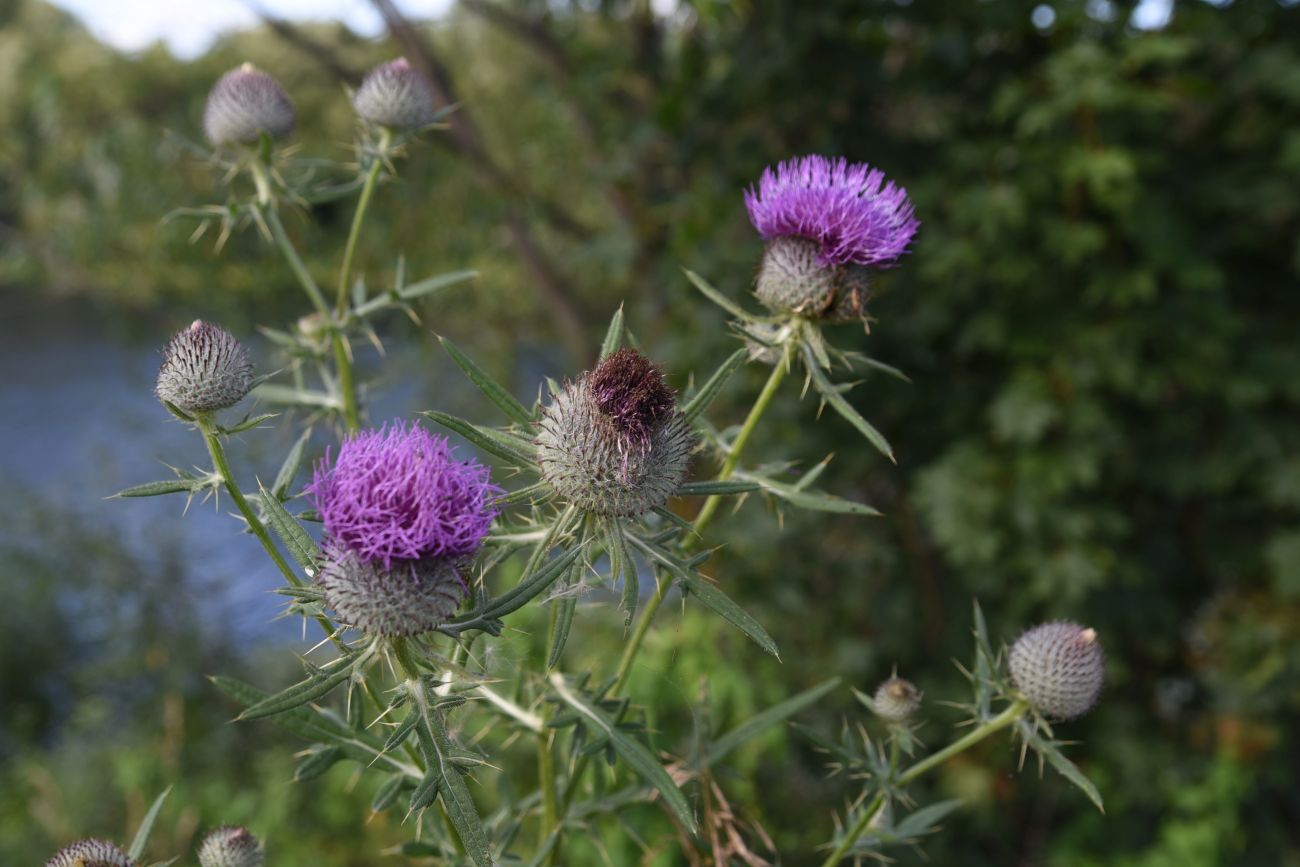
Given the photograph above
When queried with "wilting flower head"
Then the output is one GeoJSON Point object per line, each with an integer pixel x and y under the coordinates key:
{"type": "Point", "coordinates": [395, 95]}
{"type": "Point", "coordinates": [895, 700]}
{"type": "Point", "coordinates": [1059, 668]}
{"type": "Point", "coordinates": [90, 853]}
{"type": "Point", "coordinates": [398, 493]}
{"type": "Point", "coordinates": [826, 221]}
{"type": "Point", "coordinates": [243, 104]}
{"type": "Point", "coordinates": [229, 846]}
{"type": "Point", "coordinates": [613, 442]}
{"type": "Point", "coordinates": [204, 369]}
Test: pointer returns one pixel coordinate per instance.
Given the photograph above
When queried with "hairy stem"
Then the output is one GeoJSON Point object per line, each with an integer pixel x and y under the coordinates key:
{"type": "Point", "coordinates": [363, 204]}
{"type": "Point", "coordinates": [1013, 712]}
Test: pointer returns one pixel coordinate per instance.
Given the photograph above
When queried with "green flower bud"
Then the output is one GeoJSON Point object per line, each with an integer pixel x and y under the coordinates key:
{"type": "Point", "coordinates": [895, 700]}
{"type": "Point", "coordinates": [204, 369]}
{"type": "Point", "coordinates": [229, 846]}
{"type": "Point", "coordinates": [1059, 667]}
{"type": "Point", "coordinates": [396, 96]}
{"type": "Point", "coordinates": [245, 103]}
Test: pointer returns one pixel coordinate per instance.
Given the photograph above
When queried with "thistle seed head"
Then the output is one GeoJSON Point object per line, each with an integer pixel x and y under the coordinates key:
{"type": "Point", "coordinates": [229, 846]}
{"type": "Point", "coordinates": [895, 700]}
{"type": "Point", "coordinates": [793, 278]}
{"type": "Point", "coordinates": [204, 369]}
{"type": "Point", "coordinates": [407, 597]}
{"type": "Point", "coordinates": [396, 96]}
{"type": "Point", "coordinates": [90, 853]}
{"type": "Point", "coordinates": [613, 442]}
{"type": "Point", "coordinates": [1059, 667]}
{"type": "Point", "coordinates": [243, 104]}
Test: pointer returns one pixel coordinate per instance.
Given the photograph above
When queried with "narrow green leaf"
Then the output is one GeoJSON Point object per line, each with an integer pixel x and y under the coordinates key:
{"type": "Point", "coordinates": [715, 296]}
{"type": "Point", "coordinates": [723, 488]}
{"type": "Point", "coordinates": [455, 794]}
{"type": "Point", "coordinates": [632, 752]}
{"type": "Point", "coordinates": [493, 442]}
{"type": "Point", "coordinates": [816, 501]}
{"type": "Point", "coordinates": [922, 821]}
{"type": "Point", "coordinates": [387, 793]}
{"type": "Point", "coordinates": [301, 546]}
{"type": "Point", "coordinates": [433, 284]}
{"type": "Point", "coordinates": [491, 389]}
{"type": "Point", "coordinates": [166, 486]}
{"type": "Point", "coordinates": [299, 694]}
{"type": "Point", "coordinates": [521, 594]}
{"type": "Point", "coordinates": [760, 722]}
{"type": "Point", "coordinates": [316, 763]}
{"type": "Point", "coordinates": [249, 423]}
{"type": "Point", "coordinates": [136, 852]}
{"type": "Point", "coordinates": [1071, 772]}
{"type": "Point", "coordinates": [613, 336]}
{"type": "Point", "coordinates": [710, 595]}
{"type": "Point", "coordinates": [401, 733]}
{"type": "Point", "coordinates": [289, 469]}
{"type": "Point", "coordinates": [564, 611]}
{"type": "Point", "coordinates": [622, 563]}
{"type": "Point", "coordinates": [288, 395]}
{"type": "Point", "coordinates": [831, 394]}
{"type": "Point", "coordinates": [700, 401]}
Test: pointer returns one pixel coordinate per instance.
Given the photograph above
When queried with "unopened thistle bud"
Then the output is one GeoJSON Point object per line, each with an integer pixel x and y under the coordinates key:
{"type": "Point", "coordinates": [243, 104]}
{"type": "Point", "coordinates": [896, 700]}
{"type": "Point", "coordinates": [204, 369]}
{"type": "Point", "coordinates": [613, 442]}
{"type": "Point", "coordinates": [827, 223]}
{"type": "Point", "coordinates": [396, 96]}
{"type": "Point", "coordinates": [1059, 668]}
{"type": "Point", "coordinates": [229, 846]}
{"type": "Point", "coordinates": [401, 517]}
{"type": "Point", "coordinates": [90, 853]}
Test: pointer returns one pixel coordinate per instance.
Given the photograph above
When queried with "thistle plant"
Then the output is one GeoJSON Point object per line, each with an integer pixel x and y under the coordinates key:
{"type": "Point", "coordinates": [416, 560]}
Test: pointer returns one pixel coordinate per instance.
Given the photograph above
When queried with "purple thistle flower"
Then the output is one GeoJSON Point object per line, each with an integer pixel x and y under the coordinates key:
{"type": "Point", "coordinates": [631, 391]}
{"type": "Point", "coordinates": [397, 493]}
{"type": "Point", "coordinates": [849, 209]}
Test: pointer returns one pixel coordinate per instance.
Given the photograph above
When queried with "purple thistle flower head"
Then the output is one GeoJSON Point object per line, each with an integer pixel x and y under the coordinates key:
{"type": "Point", "coordinates": [397, 493]}
{"type": "Point", "coordinates": [631, 391]}
{"type": "Point", "coordinates": [849, 209]}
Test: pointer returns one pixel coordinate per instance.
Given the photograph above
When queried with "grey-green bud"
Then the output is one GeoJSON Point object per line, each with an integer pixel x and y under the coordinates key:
{"type": "Point", "coordinates": [1059, 667]}
{"type": "Point", "coordinates": [614, 442]}
{"type": "Point", "coordinates": [396, 96]}
{"type": "Point", "coordinates": [204, 369]}
{"type": "Point", "coordinates": [243, 104]}
{"type": "Point", "coordinates": [896, 700]}
{"type": "Point", "coordinates": [411, 598]}
{"type": "Point", "coordinates": [90, 853]}
{"type": "Point", "coordinates": [793, 279]}
{"type": "Point", "coordinates": [230, 846]}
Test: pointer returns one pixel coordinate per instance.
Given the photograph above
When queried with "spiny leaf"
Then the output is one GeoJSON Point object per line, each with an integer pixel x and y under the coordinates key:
{"type": "Point", "coordinates": [635, 754]}
{"type": "Point", "coordinates": [831, 394]}
{"type": "Point", "coordinates": [136, 852]}
{"type": "Point", "coordinates": [494, 442]}
{"type": "Point", "coordinates": [715, 296]}
{"type": "Point", "coordinates": [724, 488]}
{"type": "Point", "coordinates": [300, 693]}
{"type": "Point", "coordinates": [565, 607]}
{"type": "Point", "coordinates": [433, 284]}
{"type": "Point", "coordinates": [249, 423]}
{"type": "Point", "coordinates": [759, 723]}
{"type": "Point", "coordinates": [166, 486]}
{"type": "Point", "coordinates": [491, 389]}
{"type": "Point", "coordinates": [700, 401]}
{"type": "Point", "coordinates": [613, 336]}
{"type": "Point", "coordinates": [289, 469]}
{"type": "Point", "coordinates": [301, 546]}
{"type": "Point", "coordinates": [816, 501]}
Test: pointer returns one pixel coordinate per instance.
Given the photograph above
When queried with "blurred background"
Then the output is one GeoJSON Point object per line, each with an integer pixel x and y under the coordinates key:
{"type": "Point", "coordinates": [1099, 318]}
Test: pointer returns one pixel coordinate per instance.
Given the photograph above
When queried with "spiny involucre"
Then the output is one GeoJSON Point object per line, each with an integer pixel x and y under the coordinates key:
{"type": "Point", "coordinates": [243, 104]}
{"type": "Point", "coordinates": [826, 221]}
{"type": "Point", "coordinates": [613, 442]}
{"type": "Point", "coordinates": [230, 846]}
{"type": "Point", "coordinates": [90, 853]}
{"type": "Point", "coordinates": [896, 700]}
{"type": "Point", "coordinates": [204, 369]}
{"type": "Point", "coordinates": [411, 597]}
{"type": "Point", "coordinates": [396, 96]}
{"type": "Point", "coordinates": [1059, 666]}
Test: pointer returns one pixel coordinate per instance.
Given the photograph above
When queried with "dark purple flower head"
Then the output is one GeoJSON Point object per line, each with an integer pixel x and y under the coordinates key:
{"type": "Point", "coordinates": [632, 393]}
{"type": "Point", "coordinates": [398, 493]}
{"type": "Point", "coordinates": [849, 209]}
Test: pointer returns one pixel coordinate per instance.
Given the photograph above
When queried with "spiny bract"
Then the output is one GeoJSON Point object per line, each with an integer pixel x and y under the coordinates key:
{"type": "Point", "coordinates": [243, 104]}
{"type": "Point", "coordinates": [792, 279]}
{"type": "Point", "coordinates": [204, 369]}
{"type": "Point", "coordinates": [230, 846]}
{"type": "Point", "coordinates": [1059, 667]}
{"type": "Point", "coordinates": [90, 853]}
{"type": "Point", "coordinates": [396, 96]}
{"type": "Point", "coordinates": [613, 442]}
{"type": "Point", "coordinates": [410, 597]}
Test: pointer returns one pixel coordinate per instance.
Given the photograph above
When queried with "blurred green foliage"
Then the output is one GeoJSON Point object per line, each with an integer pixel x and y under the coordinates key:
{"type": "Point", "coordinates": [1099, 319]}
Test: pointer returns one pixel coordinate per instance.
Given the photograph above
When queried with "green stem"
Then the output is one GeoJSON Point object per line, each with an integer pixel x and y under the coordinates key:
{"type": "Point", "coordinates": [706, 514]}
{"type": "Point", "coordinates": [1013, 712]}
{"type": "Point", "coordinates": [342, 359]}
{"type": "Point", "coordinates": [363, 203]}
{"type": "Point", "coordinates": [859, 828]}
{"type": "Point", "coordinates": [209, 431]}
{"type": "Point", "coordinates": [546, 780]}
